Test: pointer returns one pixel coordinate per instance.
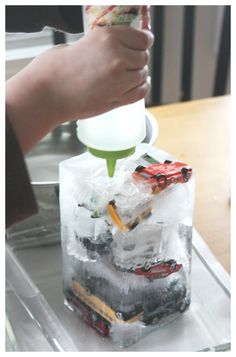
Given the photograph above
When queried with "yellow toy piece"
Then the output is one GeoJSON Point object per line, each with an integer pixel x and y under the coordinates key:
{"type": "Point", "coordinates": [98, 305]}
{"type": "Point", "coordinates": [111, 208]}
{"type": "Point", "coordinates": [112, 211]}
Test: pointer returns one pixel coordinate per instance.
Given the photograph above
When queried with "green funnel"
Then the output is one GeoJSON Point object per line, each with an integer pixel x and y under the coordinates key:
{"type": "Point", "coordinates": [111, 157]}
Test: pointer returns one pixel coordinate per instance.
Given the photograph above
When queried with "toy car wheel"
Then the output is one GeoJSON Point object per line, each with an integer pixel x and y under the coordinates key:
{"type": "Point", "coordinates": [112, 203]}
{"type": "Point", "coordinates": [131, 270]}
{"type": "Point", "coordinates": [185, 173]}
{"type": "Point", "coordinates": [68, 297]}
{"type": "Point", "coordinates": [87, 290]}
{"type": "Point", "coordinates": [119, 315]}
{"type": "Point", "coordinates": [182, 306]}
{"type": "Point", "coordinates": [161, 180]}
{"type": "Point", "coordinates": [139, 168]}
{"type": "Point", "coordinates": [155, 320]}
{"type": "Point", "coordinates": [147, 266]}
{"type": "Point", "coordinates": [172, 266]}
{"type": "Point", "coordinates": [94, 317]}
{"type": "Point", "coordinates": [168, 162]}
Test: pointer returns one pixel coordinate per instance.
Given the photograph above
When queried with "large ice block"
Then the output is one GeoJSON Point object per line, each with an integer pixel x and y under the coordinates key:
{"type": "Point", "coordinates": [126, 241]}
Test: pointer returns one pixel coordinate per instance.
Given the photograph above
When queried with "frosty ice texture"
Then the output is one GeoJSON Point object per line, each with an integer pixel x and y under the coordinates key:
{"type": "Point", "coordinates": [124, 282]}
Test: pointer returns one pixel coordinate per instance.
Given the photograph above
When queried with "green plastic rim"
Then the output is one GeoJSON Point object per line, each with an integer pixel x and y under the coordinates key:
{"type": "Point", "coordinates": [111, 157]}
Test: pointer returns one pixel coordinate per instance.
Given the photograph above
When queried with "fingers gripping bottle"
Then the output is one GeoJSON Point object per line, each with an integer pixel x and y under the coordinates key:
{"type": "Point", "coordinates": [114, 135]}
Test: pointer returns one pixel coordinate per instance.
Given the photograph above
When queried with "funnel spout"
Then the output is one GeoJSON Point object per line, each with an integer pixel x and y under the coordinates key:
{"type": "Point", "coordinates": [111, 157]}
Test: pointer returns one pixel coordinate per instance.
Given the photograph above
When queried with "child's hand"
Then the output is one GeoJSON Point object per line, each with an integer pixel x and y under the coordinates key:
{"type": "Point", "coordinates": [105, 69]}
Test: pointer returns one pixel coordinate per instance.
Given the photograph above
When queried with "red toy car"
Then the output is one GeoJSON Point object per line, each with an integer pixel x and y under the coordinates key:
{"type": "Point", "coordinates": [158, 270]}
{"type": "Point", "coordinates": [160, 176]}
{"type": "Point", "coordinates": [90, 317]}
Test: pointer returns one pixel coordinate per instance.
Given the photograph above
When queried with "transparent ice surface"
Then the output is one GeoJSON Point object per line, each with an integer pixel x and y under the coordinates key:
{"type": "Point", "coordinates": [126, 263]}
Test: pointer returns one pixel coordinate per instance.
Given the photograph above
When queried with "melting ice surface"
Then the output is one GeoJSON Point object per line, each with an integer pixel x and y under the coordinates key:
{"type": "Point", "coordinates": [135, 259]}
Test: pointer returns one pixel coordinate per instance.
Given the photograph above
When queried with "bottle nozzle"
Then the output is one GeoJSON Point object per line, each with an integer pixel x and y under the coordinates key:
{"type": "Point", "coordinates": [111, 166]}
{"type": "Point", "coordinates": [111, 157]}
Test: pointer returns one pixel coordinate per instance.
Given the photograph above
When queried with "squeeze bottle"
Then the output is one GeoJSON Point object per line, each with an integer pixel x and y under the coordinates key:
{"type": "Point", "coordinates": [114, 134]}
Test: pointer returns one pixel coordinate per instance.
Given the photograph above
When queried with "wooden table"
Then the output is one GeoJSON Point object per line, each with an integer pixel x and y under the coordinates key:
{"type": "Point", "coordinates": [198, 133]}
